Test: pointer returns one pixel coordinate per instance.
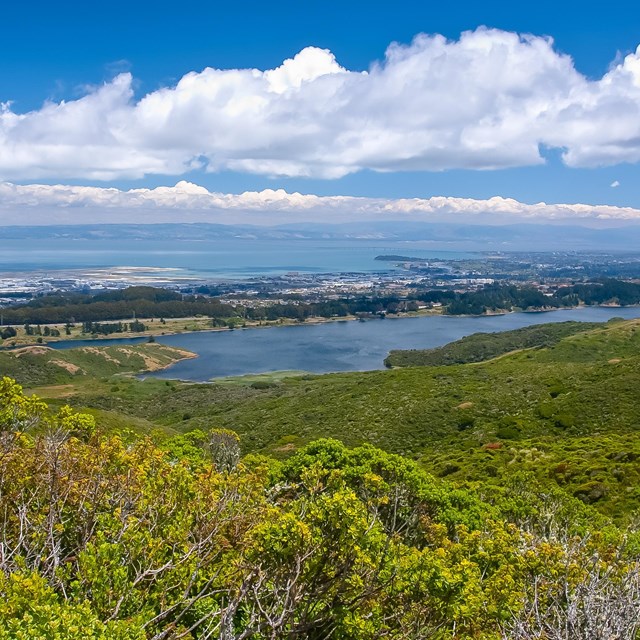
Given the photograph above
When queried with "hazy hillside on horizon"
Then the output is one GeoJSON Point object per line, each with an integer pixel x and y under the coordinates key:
{"type": "Point", "coordinates": [513, 237]}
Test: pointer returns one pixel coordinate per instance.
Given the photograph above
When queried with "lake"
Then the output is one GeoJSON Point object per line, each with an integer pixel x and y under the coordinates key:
{"type": "Point", "coordinates": [336, 346]}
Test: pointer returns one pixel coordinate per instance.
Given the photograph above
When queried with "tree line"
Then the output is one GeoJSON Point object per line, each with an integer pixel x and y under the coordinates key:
{"type": "Point", "coordinates": [107, 328]}
{"type": "Point", "coordinates": [150, 302]}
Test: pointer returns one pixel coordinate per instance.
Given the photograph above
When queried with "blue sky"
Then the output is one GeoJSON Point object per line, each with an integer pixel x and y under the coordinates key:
{"type": "Point", "coordinates": [51, 48]}
{"type": "Point", "coordinates": [66, 50]}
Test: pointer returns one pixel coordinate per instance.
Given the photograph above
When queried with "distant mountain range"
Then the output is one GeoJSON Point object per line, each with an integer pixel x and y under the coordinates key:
{"type": "Point", "coordinates": [516, 237]}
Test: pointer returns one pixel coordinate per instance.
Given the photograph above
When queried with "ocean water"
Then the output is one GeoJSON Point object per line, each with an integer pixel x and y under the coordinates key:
{"type": "Point", "coordinates": [224, 258]}
{"type": "Point", "coordinates": [337, 346]}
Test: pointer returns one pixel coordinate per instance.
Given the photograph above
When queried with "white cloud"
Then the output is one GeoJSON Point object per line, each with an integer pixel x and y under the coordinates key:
{"type": "Point", "coordinates": [615, 184]}
{"type": "Point", "coordinates": [488, 100]}
{"type": "Point", "coordinates": [46, 204]}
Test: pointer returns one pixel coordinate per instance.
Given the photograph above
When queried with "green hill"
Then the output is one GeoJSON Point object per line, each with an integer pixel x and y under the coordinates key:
{"type": "Point", "coordinates": [586, 383]}
{"type": "Point", "coordinates": [484, 346]}
{"type": "Point", "coordinates": [41, 365]}
{"type": "Point", "coordinates": [573, 404]}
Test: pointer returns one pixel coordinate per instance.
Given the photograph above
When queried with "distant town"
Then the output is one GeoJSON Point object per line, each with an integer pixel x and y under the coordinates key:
{"type": "Point", "coordinates": [398, 276]}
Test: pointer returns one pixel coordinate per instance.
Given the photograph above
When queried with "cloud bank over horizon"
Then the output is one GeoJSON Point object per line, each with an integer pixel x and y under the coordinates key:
{"type": "Point", "coordinates": [188, 202]}
{"type": "Point", "coordinates": [489, 100]}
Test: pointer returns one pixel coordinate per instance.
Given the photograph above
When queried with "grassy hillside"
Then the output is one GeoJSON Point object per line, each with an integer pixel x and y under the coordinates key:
{"type": "Point", "coordinates": [484, 346]}
{"type": "Point", "coordinates": [568, 413]}
{"type": "Point", "coordinates": [584, 384]}
{"type": "Point", "coordinates": [41, 365]}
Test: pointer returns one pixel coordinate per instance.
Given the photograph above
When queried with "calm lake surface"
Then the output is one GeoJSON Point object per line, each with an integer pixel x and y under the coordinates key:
{"type": "Point", "coordinates": [336, 346]}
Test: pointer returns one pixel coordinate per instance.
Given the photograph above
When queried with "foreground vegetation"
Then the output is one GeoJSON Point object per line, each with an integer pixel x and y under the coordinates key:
{"type": "Point", "coordinates": [179, 538]}
{"type": "Point", "coordinates": [493, 494]}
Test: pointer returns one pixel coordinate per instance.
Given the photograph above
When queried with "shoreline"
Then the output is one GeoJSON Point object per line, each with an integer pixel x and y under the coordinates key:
{"type": "Point", "coordinates": [261, 375]}
{"type": "Point", "coordinates": [283, 322]}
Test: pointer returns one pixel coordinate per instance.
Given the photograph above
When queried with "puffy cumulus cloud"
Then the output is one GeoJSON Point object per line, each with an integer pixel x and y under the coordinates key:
{"type": "Point", "coordinates": [485, 101]}
{"type": "Point", "coordinates": [488, 100]}
{"type": "Point", "coordinates": [85, 137]}
{"type": "Point", "coordinates": [190, 202]}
